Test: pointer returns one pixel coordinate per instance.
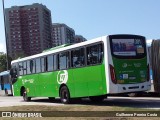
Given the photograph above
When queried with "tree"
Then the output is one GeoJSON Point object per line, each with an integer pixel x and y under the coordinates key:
{"type": "Point", "coordinates": [3, 62]}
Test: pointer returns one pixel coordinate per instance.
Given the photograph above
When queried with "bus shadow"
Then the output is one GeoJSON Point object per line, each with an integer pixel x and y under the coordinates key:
{"type": "Point", "coordinates": [118, 102]}
{"type": "Point", "coordinates": [141, 103]}
{"type": "Point", "coordinates": [45, 100]}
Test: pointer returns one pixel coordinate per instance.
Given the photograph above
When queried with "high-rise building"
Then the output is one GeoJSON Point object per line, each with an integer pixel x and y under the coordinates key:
{"type": "Point", "coordinates": [28, 29]}
{"type": "Point", "coordinates": [62, 34]}
{"type": "Point", "coordinates": [79, 38]}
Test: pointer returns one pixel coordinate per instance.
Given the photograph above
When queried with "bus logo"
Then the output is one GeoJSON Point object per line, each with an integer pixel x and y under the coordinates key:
{"type": "Point", "coordinates": [62, 77]}
{"type": "Point", "coordinates": [124, 65]}
{"type": "Point", "coordinates": [137, 64]}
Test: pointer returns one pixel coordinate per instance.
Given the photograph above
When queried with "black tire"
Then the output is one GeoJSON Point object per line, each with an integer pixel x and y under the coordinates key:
{"type": "Point", "coordinates": [65, 95]}
{"type": "Point", "coordinates": [25, 97]}
{"type": "Point", "coordinates": [97, 98]}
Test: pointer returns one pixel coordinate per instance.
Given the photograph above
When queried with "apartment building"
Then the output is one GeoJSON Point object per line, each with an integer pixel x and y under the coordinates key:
{"type": "Point", "coordinates": [28, 29]}
{"type": "Point", "coordinates": [79, 38]}
{"type": "Point", "coordinates": [62, 34]}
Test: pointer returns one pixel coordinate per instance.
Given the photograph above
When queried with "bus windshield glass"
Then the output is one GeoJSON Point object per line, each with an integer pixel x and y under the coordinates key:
{"type": "Point", "coordinates": [132, 48]}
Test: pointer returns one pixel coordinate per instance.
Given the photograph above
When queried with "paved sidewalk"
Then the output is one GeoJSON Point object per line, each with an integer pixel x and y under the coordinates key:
{"type": "Point", "coordinates": [2, 92]}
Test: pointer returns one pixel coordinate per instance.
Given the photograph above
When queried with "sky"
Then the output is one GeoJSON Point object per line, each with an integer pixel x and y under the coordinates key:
{"type": "Point", "coordinates": [95, 18]}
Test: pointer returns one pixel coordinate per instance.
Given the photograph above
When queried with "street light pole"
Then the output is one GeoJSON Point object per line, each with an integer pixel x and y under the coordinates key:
{"type": "Point", "coordinates": [5, 35]}
{"type": "Point", "coordinates": [4, 17]}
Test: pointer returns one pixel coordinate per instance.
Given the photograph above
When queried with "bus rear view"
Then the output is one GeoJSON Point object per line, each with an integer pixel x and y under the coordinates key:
{"type": "Point", "coordinates": [128, 64]}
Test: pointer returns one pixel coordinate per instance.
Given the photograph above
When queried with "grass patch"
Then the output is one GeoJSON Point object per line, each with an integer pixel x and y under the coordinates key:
{"type": "Point", "coordinates": [71, 107]}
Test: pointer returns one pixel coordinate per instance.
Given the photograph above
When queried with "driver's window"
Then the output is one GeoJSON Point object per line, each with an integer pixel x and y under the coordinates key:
{"type": "Point", "coordinates": [13, 71]}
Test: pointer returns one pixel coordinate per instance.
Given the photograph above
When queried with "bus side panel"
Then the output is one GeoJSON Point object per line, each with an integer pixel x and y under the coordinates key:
{"type": "Point", "coordinates": [89, 81]}
{"type": "Point", "coordinates": [47, 86]}
{"type": "Point", "coordinates": [29, 82]}
{"type": "Point", "coordinates": [38, 86]}
{"type": "Point", "coordinates": [51, 87]}
{"type": "Point", "coordinates": [24, 81]}
{"type": "Point", "coordinates": [71, 83]}
{"type": "Point", "coordinates": [103, 73]}
{"type": "Point", "coordinates": [96, 81]}
{"type": "Point", "coordinates": [16, 89]}
{"type": "Point", "coordinates": [53, 84]}
{"type": "Point", "coordinates": [81, 82]}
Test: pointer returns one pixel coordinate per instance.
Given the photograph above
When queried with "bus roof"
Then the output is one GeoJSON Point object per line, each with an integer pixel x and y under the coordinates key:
{"type": "Point", "coordinates": [59, 49]}
{"type": "Point", "coordinates": [4, 73]}
{"type": "Point", "coordinates": [66, 47]}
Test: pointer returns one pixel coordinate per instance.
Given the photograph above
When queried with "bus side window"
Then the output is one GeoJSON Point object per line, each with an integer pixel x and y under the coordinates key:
{"type": "Point", "coordinates": [94, 54]}
{"type": "Point", "coordinates": [77, 58]}
{"type": "Point", "coordinates": [14, 71]}
{"type": "Point", "coordinates": [50, 63]}
{"type": "Point", "coordinates": [24, 68]}
{"type": "Point", "coordinates": [100, 53]}
{"type": "Point", "coordinates": [38, 65]}
{"type": "Point", "coordinates": [32, 66]}
{"type": "Point", "coordinates": [20, 68]}
{"type": "Point", "coordinates": [43, 65]}
{"type": "Point", "coordinates": [55, 62]}
{"type": "Point", "coordinates": [28, 67]}
{"type": "Point", "coordinates": [64, 60]}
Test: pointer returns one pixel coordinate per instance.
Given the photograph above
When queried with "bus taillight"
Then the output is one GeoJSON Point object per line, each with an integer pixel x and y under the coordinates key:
{"type": "Point", "coordinates": [113, 75]}
{"type": "Point", "coordinates": [148, 73]}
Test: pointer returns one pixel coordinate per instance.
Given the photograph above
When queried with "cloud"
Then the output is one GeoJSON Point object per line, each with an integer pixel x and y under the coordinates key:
{"type": "Point", "coordinates": [149, 42]}
{"type": "Point", "coordinates": [2, 47]}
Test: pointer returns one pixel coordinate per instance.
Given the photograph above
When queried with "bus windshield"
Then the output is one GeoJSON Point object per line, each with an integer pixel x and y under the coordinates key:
{"type": "Point", "coordinates": [128, 48]}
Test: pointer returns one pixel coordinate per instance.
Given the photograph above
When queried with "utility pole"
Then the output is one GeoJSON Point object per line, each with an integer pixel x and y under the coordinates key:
{"type": "Point", "coordinates": [7, 62]}
{"type": "Point", "coordinates": [5, 35]}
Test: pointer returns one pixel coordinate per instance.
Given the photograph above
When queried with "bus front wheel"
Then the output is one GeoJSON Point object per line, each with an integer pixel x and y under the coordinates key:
{"type": "Point", "coordinates": [25, 97]}
{"type": "Point", "coordinates": [65, 95]}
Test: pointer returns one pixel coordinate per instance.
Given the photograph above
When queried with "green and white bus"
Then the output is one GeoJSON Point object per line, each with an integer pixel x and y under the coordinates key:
{"type": "Point", "coordinates": [106, 65]}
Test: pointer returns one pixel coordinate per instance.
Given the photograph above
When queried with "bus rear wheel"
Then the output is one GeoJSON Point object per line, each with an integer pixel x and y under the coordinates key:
{"type": "Point", "coordinates": [97, 98]}
{"type": "Point", "coordinates": [65, 95]}
{"type": "Point", "coordinates": [25, 97]}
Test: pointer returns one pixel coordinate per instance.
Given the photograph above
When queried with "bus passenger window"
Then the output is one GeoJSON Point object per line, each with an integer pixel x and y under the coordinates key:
{"type": "Point", "coordinates": [50, 62]}
{"type": "Point", "coordinates": [32, 66]}
{"type": "Point", "coordinates": [24, 68]}
{"type": "Point", "coordinates": [77, 58]}
{"type": "Point", "coordinates": [20, 69]}
{"type": "Point", "coordinates": [38, 65]}
{"type": "Point", "coordinates": [55, 62]}
{"type": "Point", "coordinates": [43, 65]}
{"type": "Point", "coordinates": [28, 67]}
{"type": "Point", "coordinates": [13, 71]}
{"type": "Point", "coordinates": [100, 53]}
{"type": "Point", "coordinates": [64, 60]}
{"type": "Point", "coordinates": [94, 54]}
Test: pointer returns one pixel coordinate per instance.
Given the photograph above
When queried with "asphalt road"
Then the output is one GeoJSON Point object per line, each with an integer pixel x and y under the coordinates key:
{"type": "Point", "coordinates": [136, 102]}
